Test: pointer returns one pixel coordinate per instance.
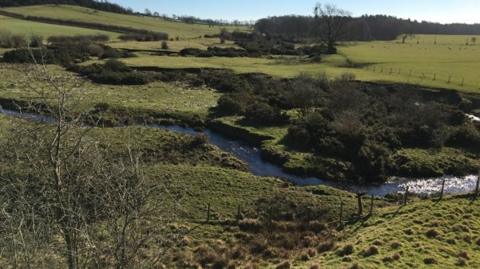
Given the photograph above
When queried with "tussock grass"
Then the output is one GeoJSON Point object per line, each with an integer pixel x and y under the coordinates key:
{"type": "Point", "coordinates": [450, 243]}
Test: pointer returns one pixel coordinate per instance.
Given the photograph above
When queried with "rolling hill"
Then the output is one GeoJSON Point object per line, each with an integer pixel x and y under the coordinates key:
{"type": "Point", "coordinates": [82, 14]}
{"type": "Point", "coordinates": [23, 27]}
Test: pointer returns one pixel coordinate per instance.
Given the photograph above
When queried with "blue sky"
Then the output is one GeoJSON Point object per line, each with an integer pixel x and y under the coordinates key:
{"type": "Point", "coordinates": [445, 11]}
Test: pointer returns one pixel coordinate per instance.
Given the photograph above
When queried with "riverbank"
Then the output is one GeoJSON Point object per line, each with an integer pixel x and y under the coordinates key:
{"type": "Point", "coordinates": [260, 165]}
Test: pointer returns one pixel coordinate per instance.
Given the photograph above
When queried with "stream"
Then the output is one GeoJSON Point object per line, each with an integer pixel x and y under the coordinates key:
{"type": "Point", "coordinates": [259, 167]}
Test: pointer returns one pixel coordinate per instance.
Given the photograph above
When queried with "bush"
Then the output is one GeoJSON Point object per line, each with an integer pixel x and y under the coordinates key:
{"type": "Point", "coordinates": [264, 114]}
{"type": "Point", "coordinates": [466, 136]}
{"type": "Point", "coordinates": [96, 50]}
{"type": "Point", "coordinates": [148, 36]}
{"type": "Point", "coordinates": [111, 53]}
{"type": "Point", "coordinates": [28, 56]}
{"type": "Point", "coordinates": [190, 52]}
{"type": "Point", "coordinates": [19, 41]}
{"type": "Point", "coordinates": [165, 45]}
{"type": "Point", "coordinates": [78, 39]}
{"type": "Point", "coordinates": [229, 105]}
{"type": "Point", "coordinates": [36, 41]}
{"type": "Point", "coordinates": [9, 40]}
{"type": "Point", "coordinates": [116, 66]}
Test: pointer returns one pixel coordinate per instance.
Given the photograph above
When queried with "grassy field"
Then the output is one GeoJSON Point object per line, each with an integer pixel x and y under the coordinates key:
{"type": "Point", "coordinates": [446, 234]}
{"type": "Point", "coordinates": [438, 61]}
{"type": "Point", "coordinates": [174, 29]}
{"type": "Point", "coordinates": [17, 26]}
{"type": "Point", "coordinates": [449, 64]}
{"type": "Point", "coordinates": [161, 97]}
{"type": "Point", "coordinates": [279, 67]}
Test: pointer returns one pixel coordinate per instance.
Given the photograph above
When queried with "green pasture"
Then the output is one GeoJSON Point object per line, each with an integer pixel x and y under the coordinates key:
{"type": "Point", "coordinates": [449, 64]}
{"type": "Point", "coordinates": [76, 13]}
{"type": "Point", "coordinates": [22, 27]}
{"type": "Point", "coordinates": [279, 67]}
{"type": "Point", "coordinates": [446, 63]}
{"type": "Point", "coordinates": [161, 97]}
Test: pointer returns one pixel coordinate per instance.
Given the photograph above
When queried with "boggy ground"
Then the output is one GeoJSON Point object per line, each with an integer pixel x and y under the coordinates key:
{"type": "Point", "coordinates": [339, 129]}
{"type": "Point", "coordinates": [335, 129]}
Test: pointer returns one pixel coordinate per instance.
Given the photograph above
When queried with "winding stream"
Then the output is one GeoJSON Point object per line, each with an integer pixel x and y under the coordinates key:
{"type": "Point", "coordinates": [252, 156]}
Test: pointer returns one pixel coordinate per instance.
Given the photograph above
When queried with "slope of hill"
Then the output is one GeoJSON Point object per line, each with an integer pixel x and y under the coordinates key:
{"type": "Point", "coordinates": [81, 14]}
{"type": "Point", "coordinates": [100, 5]}
{"type": "Point", "coordinates": [425, 234]}
{"type": "Point", "coordinates": [23, 27]}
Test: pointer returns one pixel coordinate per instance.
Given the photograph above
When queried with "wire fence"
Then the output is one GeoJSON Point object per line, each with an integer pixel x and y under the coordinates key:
{"type": "Point", "coordinates": [365, 208]}
{"type": "Point", "coordinates": [412, 75]}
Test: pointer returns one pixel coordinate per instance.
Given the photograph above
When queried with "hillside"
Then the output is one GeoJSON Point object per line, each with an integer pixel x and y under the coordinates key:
{"type": "Point", "coordinates": [23, 27]}
{"type": "Point", "coordinates": [232, 149]}
{"type": "Point", "coordinates": [424, 234]}
{"type": "Point", "coordinates": [82, 14]}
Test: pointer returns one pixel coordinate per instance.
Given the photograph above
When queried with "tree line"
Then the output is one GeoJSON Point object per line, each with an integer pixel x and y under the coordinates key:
{"type": "Point", "coordinates": [364, 28]}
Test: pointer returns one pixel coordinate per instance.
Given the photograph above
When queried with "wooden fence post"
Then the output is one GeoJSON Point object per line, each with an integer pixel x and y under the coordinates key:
{"type": "Point", "coordinates": [208, 213]}
{"type": "Point", "coordinates": [341, 212]}
{"type": "Point", "coordinates": [442, 190]}
{"type": "Point", "coordinates": [239, 213]}
{"type": "Point", "coordinates": [405, 196]}
{"type": "Point", "coordinates": [370, 212]}
{"type": "Point", "coordinates": [477, 188]}
{"type": "Point", "coordinates": [360, 204]}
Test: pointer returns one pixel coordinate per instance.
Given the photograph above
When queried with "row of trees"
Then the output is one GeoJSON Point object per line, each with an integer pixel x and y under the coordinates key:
{"type": "Point", "coordinates": [364, 28]}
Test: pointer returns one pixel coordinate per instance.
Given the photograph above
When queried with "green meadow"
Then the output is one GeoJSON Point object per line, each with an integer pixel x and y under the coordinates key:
{"type": "Point", "coordinates": [436, 61]}
{"type": "Point", "coordinates": [75, 13]}
{"type": "Point", "coordinates": [449, 63]}
{"type": "Point", "coordinates": [169, 98]}
{"type": "Point", "coordinates": [23, 27]}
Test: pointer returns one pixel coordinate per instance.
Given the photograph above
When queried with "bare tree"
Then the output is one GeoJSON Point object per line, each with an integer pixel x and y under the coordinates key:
{"type": "Point", "coordinates": [407, 36]}
{"type": "Point", "coordinates": [331, 24]}
{"type": "Point", "coordinates": [59, 181]}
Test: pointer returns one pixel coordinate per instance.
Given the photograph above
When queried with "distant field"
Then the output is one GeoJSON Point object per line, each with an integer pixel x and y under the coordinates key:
{"type": "Point", "coordinates": [281, 67]}
{"type": "Point", "coordinates": [75, 13]}
{"type": "Point", "coordinates": [449, 63]}
{"type": "Point", "coordinates": [438, 61]}
{"type": "Point", "coordinates": [17, 26]}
